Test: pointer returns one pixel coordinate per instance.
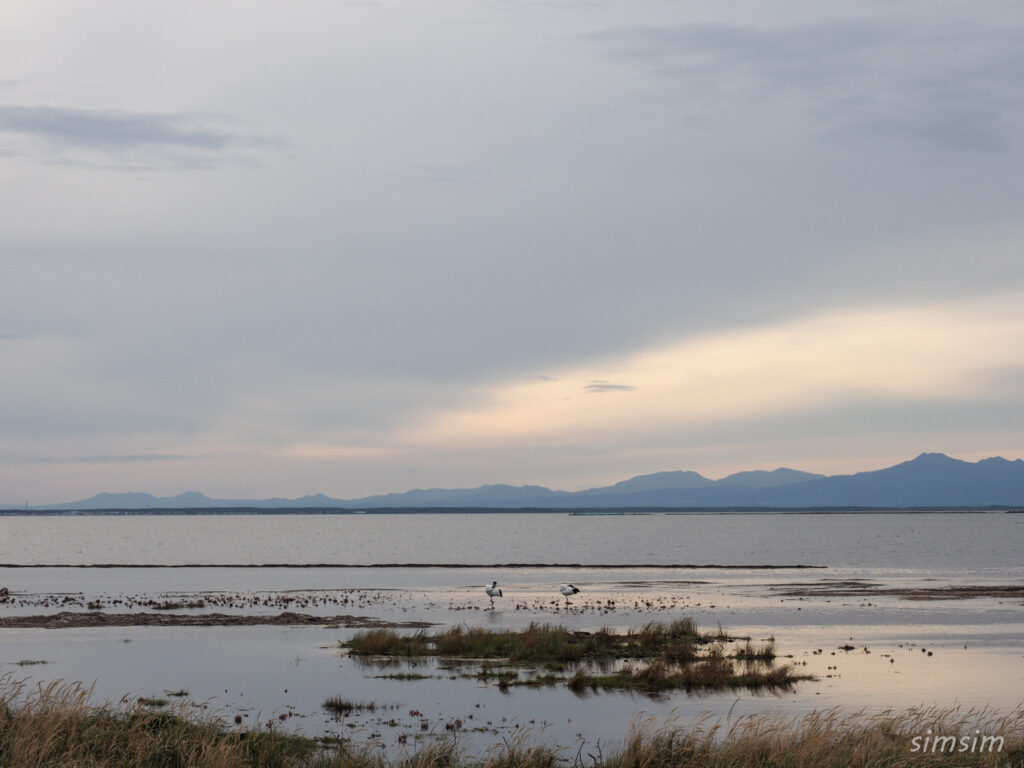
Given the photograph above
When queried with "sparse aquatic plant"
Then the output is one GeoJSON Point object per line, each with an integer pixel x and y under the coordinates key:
{"type": "Point", "coordinates": [403, 676]}
{"type": "Point", "coordinates": [750, 652]}
{"type": "Point", "coordinates": [341, 706]}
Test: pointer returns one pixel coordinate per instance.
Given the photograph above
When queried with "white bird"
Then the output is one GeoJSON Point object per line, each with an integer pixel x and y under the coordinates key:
{"type": "Point", "coordinates": [492, 591]}
{"type": "Point", "coordinates": [567, 589]}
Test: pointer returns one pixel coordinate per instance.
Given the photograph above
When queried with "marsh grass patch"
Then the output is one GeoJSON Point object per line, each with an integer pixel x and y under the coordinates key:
{"type": "Point", "coordinates": [660, 656]}
{"type": "Point", "coordinates": [536, 644]}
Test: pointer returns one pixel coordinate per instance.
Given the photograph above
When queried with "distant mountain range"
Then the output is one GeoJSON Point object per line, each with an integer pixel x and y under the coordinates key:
{"type": "Point", "coordinates": [929, 481]}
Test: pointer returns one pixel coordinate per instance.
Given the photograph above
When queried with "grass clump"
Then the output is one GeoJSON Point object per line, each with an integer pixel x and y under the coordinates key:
{"type": "Point", "coordinates": [384, 642]}
{"type": "Point", "coordinates": [339, 706]}
{"type": "Point", "coordinates": [750, 652]}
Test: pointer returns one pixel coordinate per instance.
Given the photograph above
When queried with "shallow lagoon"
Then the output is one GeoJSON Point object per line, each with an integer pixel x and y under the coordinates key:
{"type": "Point", "coordinates": [261, 673]}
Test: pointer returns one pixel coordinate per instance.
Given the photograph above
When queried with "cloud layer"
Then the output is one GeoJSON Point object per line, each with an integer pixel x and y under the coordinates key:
{"type": "Point", "coordinates": [354, 248]}
{"type": "Point", "coordinates": [949, 85]}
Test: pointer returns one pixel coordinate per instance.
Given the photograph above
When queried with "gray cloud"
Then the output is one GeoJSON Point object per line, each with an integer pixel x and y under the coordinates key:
{"type": "Point", "coordinates": [950, 85]}
{"type": "Point", "coordinates": [604, 386]}
{"type": "Point", "coordinates": [181, 139]}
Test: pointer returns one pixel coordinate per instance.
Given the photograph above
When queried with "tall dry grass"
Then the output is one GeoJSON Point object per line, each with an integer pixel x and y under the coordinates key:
{"type": "Point", "coordinates": [828, 739]}
{"type": "Point", "coordinates": [58, 726]}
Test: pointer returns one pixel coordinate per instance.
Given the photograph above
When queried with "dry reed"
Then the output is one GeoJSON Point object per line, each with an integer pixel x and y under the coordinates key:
{"type": "Point", "coordinates": [57, 726]}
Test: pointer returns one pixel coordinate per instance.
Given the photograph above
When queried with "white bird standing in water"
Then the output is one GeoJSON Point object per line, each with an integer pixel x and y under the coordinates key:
{"type": "Point", "coordinates": [492, 591]}
{"type": "Point", "coordinates": [567, 589]}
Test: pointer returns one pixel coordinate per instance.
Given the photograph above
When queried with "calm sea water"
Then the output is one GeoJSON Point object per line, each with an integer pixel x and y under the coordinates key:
{"type": "Point", "coordinates": [977, 645]}
{"type": "Point", "coordinates": [950, 542]}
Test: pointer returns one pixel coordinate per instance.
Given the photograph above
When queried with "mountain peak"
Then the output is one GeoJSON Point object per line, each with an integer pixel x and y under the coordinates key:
{"type": "Point", "coordinates": [930, 480]}
{"type": "Point", "coordinates": [670, 480]}
{"type": "Point", "coordinates": [760, 478]}
{"type": "Point", "coordinates": [998, 461]}
{"type": "Point", "coordinates": [315, 497]}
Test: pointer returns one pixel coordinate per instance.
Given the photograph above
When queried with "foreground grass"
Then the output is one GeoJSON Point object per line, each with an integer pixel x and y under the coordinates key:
{"type": "Point", "coordinates": [829, 739]}
{"type": "Point", "coordinates": [57, 726]}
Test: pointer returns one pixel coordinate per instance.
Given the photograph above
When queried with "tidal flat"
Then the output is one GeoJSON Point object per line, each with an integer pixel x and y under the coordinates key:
{"type": "Point", "coordinates": [256, 646]}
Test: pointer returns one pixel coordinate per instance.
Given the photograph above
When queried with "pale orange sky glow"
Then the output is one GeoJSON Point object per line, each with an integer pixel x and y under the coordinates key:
{"type": "Point", "coordinates": [947, 351]}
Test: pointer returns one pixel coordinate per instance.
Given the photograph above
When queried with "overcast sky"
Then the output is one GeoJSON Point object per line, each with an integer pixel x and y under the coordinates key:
{"type": "Point", "coordinates": [269, 249]}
